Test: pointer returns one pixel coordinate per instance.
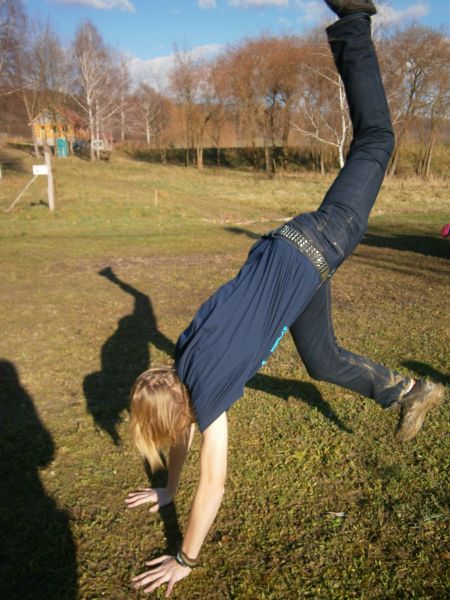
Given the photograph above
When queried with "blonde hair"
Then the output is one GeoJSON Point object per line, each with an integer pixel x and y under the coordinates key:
{"type": "Point", "coordinates": [160, 412]}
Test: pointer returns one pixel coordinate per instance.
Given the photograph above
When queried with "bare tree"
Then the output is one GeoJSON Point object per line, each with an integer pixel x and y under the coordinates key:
{"type": "Point", "coordinates": [205, 108]}
{"type": "Point", "coordinates": [263, 80]}
{"type": "Point", "coordinates": [183, 86]}
{"type": "Point", "coordinates": [150, 113]}
{"type": "Point", "coordinates": [412, 63]}
{"type": "Point", "coordinates": [240, 68]}
{"type": "Point", "coordinates": [192, 84]}
{"type": "Point", "coordinates": [436, 104]}
{"type": "Point", "coordinates": [12, 21]}
{"type": "Point", "coordinates": [12, 29]}
{"type": "Point", "coordinates": [322, 105]}
{"type": "Point", "coordinates": [39, 71]}
{"type": "Point", "coordinates": [220, 113]}
{"type": "Point", "coordinates": [95, 82]}
{"type": "Point", "coordinates": [124, 94]}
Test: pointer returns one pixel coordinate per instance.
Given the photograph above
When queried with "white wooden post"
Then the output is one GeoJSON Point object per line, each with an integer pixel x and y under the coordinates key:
{"type": "Point", "coordinates": [51, 187]}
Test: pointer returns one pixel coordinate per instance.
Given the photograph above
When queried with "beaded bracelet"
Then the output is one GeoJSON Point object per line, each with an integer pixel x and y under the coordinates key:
{"type": "Point", "coordinates": [184, 561]}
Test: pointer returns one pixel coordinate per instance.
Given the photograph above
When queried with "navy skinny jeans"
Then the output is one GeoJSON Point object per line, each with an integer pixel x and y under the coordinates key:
{"type": "Point", "coordinates": [341, 220]}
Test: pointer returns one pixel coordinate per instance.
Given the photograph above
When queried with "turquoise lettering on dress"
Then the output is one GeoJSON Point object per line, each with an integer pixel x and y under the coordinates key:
{"type": "Point", "coordinates": [277, 341]}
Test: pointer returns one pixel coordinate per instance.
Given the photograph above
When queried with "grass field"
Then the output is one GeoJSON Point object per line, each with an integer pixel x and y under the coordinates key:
{"type": "Point", "coordinates": [321, 502]}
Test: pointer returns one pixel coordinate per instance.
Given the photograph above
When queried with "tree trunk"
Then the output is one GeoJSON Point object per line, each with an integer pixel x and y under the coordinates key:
{"type": "Point", "coordinates": [343, 112]}
{"type": "Point", "coordinates": [97, 131]}
{"type": "Point", "coordinates": [147, 133]}
{"type": "Point", "coordinates": [268, 156]}
{"type": "Point", "coordinates": [122, 119]}
{"type": "Point", "coordinates": [285, 137]}
{"type": "Point", "coordinates": [341, 156]}
{"type": "Point", "coordinates": [218, 155]}
{"type": "Point", "coordinates": [322, 163]}
{"type": "Point", "coordinates": [199, 157]}
{"type": "Point", "coordinates": [37, 152]}
{"type": "Point", "coordinates": [91, 129]}
{"type": "Point", "coordinates": [30, 119]}
{"type": "Point", "coordinates": [392, 168]}
{"type": "Point", "coordinates": [285, 157]}
{"type": "Point", "coordinates": [268, 159]}
{"type": "Point", "coordinates": [272, 164]}
{"type": "Point", "coordinates": [394, 162]}
{"type": "Point", "coordinates": [254, 155]}
{"type": "Point", "coordinates": [427, 163]}
{"type": "Point", "coordinates": [36, 146]}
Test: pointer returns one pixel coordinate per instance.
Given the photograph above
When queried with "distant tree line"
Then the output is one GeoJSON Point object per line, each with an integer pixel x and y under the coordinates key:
{"type": "Point", "coordinates": [268, 95]}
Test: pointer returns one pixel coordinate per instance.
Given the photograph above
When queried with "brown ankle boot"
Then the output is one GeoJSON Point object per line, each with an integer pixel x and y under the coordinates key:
{"type": "Point", "coordinates": [414, 407]}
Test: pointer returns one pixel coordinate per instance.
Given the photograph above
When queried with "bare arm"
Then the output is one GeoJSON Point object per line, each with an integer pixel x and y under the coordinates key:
{"type": "Point", "coordinates": [207, 500]}
{"type": "Point", "coordinates": [162, 496]}
{"type": "Point", "coordinates": [177, 456]}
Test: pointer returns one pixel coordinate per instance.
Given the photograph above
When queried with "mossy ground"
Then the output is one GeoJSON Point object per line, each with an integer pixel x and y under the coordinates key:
{"type": "Point", "coordinates": [301, 452]}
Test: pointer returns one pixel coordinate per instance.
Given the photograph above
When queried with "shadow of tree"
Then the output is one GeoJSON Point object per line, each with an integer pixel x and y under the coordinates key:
{"type": "Point", "coordinates": [124, 356]}
{"type": "Point", "coordinates": [424, 370]}
{"type": "Point", "coordinates": [241, 231]}
{"type": "Point", "coordinates": [302, 390]}
{"type": "Point", "coordinates": [10, 163]}
{"type": "Point", "coordinates": [37, 552]}
{"type": "Point", "coordinates": [421, 244]}
{"type": "Point", "coordinates": [23, 146]}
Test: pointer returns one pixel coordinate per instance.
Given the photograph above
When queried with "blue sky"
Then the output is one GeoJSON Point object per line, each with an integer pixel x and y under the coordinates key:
{"type": "Point", "coordinates": [146, 30]}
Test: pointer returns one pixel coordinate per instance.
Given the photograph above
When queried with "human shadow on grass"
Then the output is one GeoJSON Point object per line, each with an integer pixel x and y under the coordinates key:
{"type": "Point", "coordinates": [37, 551]}
{"type": "Point", "coordinates": [420, 244]}
{"type": "Point", "coordinates": [424, 370]}
{"type": "Point", "coordinates": [301, 390]}
{"type": "Point", "coordinates": [124, 356]}
{"type": "Point", "coordinates": [169, 517]}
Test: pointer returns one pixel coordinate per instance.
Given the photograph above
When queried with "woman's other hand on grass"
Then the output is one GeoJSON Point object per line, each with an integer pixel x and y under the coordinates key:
{"type": "Point", "coordinates": [159, 497]}
{"type": "Point", "coordinates": [165, 569]}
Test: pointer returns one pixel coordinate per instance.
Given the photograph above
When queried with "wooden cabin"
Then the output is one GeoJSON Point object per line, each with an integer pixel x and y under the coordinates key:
{"type": "Point", "coordinates": [53, 125]}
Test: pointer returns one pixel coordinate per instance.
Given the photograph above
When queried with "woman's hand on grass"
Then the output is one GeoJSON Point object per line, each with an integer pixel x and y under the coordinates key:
{"type": "Point", "coordinates": [157, 496]}
{"type": "Point", "coordinates": [165, 569]}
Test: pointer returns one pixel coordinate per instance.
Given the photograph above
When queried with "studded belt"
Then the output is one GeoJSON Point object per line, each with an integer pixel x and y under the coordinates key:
{"type": "Point", "coordinates": [297, 239]}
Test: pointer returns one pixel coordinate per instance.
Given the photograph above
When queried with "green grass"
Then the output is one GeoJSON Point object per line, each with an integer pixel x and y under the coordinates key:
{"type": "Point", "coordinates": [300, 450]}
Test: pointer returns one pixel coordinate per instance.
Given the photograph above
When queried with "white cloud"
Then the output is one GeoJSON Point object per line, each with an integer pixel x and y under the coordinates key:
{"type": "Point", "coordinates": [207, 4]}
{"type": "Point", "coordinates": [285, 22]}
{"type": "Point", "coordinates": [313, 11]}
{"type": "Point", "coordinates": [126, 5]}
{"type": "Point", "coordinates": [258, 3]}
{"type": "Point", "coordinates": [389, 15]}
{"type": "Point", "coordinates": [155, 71]}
